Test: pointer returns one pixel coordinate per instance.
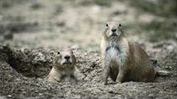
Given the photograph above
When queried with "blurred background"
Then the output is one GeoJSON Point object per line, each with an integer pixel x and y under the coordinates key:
{"type": "Point", "coordinates": [80, 23]}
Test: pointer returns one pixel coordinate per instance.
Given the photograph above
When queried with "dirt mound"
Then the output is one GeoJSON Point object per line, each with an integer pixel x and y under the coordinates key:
{"type": "Point", "coordinates": [22, 72]}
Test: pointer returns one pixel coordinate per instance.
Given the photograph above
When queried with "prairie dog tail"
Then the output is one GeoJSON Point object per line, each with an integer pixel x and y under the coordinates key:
{"type": "Point", "coordinates": [160, 71]}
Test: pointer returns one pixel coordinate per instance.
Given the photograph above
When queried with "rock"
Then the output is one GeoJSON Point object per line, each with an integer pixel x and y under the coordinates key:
{"type": "Point", "coordinates": [9, 96]}
{"type": "Point", "coordinates": [170, 48]}
{"type": "Point", "coordinates": [151, 95]}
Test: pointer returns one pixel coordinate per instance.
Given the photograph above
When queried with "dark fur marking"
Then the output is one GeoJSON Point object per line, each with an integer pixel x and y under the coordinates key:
{"type": "Point", "coordinates": [117, 48]}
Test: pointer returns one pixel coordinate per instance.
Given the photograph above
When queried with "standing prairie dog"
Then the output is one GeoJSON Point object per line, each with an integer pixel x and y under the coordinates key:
{"type": "Point", "coordinates": [64, 67]}
{"type": "Point", "coordinates": [123, 60]}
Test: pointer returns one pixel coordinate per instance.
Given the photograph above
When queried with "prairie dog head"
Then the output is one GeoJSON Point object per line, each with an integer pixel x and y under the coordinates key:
{"type": "Point", "coordinates": [66, 58]}
{"type": "Point", "coordinates": [113, 30]}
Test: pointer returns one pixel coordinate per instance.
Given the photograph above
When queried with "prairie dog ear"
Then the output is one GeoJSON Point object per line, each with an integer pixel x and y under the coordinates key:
{"type": "Point", "coordinates": [71, 49]}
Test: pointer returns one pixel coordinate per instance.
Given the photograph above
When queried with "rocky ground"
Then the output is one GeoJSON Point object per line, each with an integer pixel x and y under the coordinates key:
{"type": "Point", "coordinates": [33, 31]}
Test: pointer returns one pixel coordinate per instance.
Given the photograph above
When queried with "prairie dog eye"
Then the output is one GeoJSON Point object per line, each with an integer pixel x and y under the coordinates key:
{"type": "Point", "coordinates": [120, 25]}
{"type": "Point", "coordinates": [58, 52]}
{"type": "Point", "coordinates": [107, 25]}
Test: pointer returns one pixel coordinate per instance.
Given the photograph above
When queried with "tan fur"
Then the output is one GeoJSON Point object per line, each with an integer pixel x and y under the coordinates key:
{"type": "Point", "coordinates": [62, 68]}
{"type": "Point", "coordinates": [123, 60]}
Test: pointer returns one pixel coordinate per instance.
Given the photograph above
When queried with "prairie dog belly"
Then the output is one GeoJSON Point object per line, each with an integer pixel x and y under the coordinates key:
{"type": "Point", "coordinates": [113, 53]}
{"type": "Point", "coordinates": [66, 73]}
{"type": "Point", "coordinates": [112, 56]}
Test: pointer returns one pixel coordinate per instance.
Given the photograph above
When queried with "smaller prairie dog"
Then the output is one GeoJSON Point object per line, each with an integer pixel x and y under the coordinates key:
{"type": "Point", "coordinates": [123, 60]}
{"type": "Point", "coordinates": [64, 67]}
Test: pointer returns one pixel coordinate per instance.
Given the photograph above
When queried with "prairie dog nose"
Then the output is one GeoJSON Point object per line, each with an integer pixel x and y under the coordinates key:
{"type": "Point", "coordinates": [67, 57]}
{"type": "Point", "coordinates": [113, 30]}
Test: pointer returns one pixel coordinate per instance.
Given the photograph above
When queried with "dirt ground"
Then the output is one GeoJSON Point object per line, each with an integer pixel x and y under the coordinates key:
{"type": "Point", "coordinates": [33, 31]}
{"type": "Point", "coordinates": [23, 70]}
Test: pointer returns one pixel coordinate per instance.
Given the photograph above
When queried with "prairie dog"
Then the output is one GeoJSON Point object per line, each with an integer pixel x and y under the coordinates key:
{"type": "Point", "coordinates": [64, 67]}
{"type": "Point", "coordinates": [123, 60]}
